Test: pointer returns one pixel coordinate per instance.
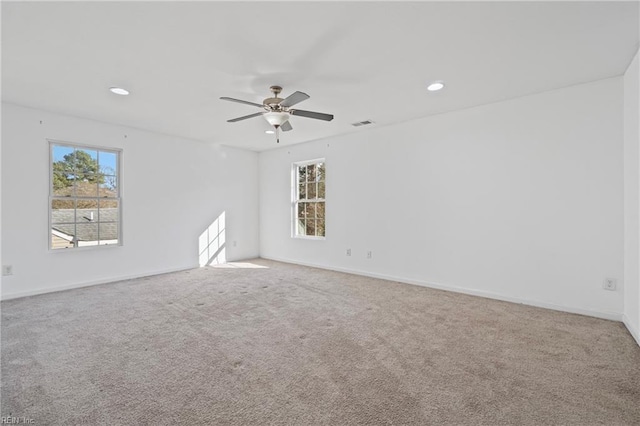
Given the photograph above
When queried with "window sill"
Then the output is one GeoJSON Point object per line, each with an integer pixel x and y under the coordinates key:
{"type": "Point", "coordinates": [85, 248]}
{"type": "Point", "coordinates": [309, 237]}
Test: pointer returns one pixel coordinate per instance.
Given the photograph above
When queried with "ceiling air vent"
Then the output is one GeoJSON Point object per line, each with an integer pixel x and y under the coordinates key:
{"type": "Point", "coordinates": [362, 123]}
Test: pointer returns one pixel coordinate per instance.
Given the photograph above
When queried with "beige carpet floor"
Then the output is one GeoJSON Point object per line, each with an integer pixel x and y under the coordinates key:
{"type": "Point", "coordinates": [293, 345]}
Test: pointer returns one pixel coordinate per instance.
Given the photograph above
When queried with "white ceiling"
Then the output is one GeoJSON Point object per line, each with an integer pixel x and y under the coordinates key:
{"type": "Point", "coordinates": [356, 60]}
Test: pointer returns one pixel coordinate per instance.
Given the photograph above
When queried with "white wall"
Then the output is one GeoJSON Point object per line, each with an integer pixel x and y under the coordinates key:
{"type": "Point", "coordinates": [1, 258]}
{"type": "Point", "coordinates": [172, 189]}
{"type": "Point", "coordinates": [632, 199]}
{"type": "Point", "coordinates": [520, 200]}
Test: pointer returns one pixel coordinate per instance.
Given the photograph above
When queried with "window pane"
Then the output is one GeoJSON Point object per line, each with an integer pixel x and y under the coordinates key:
{"type": "Point", "coordinates": [63, 211]}
{"type": "Point", "coordinates": [311, 227]}
{"type": "Point", "coordinates": [62, 181]}
{"type": "Point", "coordinates": [310, 210]}
{"type": "Point", "coordinates": [62, 170]}
{"type": "Point", "coordinates": [302, 174]}
{"type": "Point", "coordinates": [108, 233]}
{"type": "Point", "coordinates": [86, 163]}
{"type": "Point", "coordinates": [301, 227]}
{"type": "Point", "coordinates": [320, 172]}
{"type": "Point", "coordinates": [62, 236]}
{"type": "Point", "coordinates": [302, 191]}
{"type": "Point", "coordinates": [320, 189]}
{"type": "Point", "coordinates": [301, 210]}
{"type": "Point", "coordinates": [88, 187]}
{"type": "Point", "coordinates": [320, 228]}
{"type": "Point", "coordinates": [311, 173]}
{"type": "Point", "coordinates": [108, 162]}
{"type": "Point", "coordinates": [87, 234]}
{"type": "Point", "coordinates": [61, 153]}
{"type": "Point", "coordinates": [311, 191]}
{"type": "Point", "coordinates": [87, 211]}
{"type": "Point", "coordinates": [63, 184]}
{"type": "Point", "coordinates": [61, 232]}
{"type": "Point", "coordinates": [109, 211]}
{"type": "Point", "coordinates": [320, 210]}
{"type": "Point", "coordinates": [108, 187]}
{"type": "Point", "coordinates": [83, 204]}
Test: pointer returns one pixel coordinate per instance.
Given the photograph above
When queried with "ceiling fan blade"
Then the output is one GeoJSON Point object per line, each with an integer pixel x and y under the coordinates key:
{"type": "Point", "coordinates": [294, 98]}
{"type": "Point", "coordinates": [233, 120]}
{"type": "Point", "coordinates": [311, 114]}
{"type": "Point", "coordinates": [240, 101]}
{"type": "Point", "coordinates": [286, 126]}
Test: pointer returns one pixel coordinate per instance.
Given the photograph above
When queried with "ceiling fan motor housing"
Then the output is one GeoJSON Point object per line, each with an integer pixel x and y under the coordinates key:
{"type": "Point", "coordinates": [273, 103]}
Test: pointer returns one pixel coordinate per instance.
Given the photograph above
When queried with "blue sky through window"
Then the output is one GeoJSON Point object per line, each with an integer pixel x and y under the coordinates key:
{"type": "Point", "coordinates": [107, 161]}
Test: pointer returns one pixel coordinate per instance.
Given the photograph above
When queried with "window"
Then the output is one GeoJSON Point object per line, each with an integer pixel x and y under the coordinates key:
{"type": "Point", "coordinates": [309, 199]}
{"type": "Point", "coordinates": [84, 202]}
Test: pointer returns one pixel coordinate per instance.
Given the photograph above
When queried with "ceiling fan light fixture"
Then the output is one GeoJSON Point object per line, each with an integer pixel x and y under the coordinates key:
{"type": "Point", "coordinates": [276, 119]}
{"type": "Point", "coordinates": [435, 86]}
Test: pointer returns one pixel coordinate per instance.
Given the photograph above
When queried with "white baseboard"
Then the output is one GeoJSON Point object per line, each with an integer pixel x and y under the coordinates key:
{"type": "Point", "coordinates": [35, 292]}
{"type": "Point", "coordinates": [563, 308]}
{"type": "Point", "coordinates": [633, 330]}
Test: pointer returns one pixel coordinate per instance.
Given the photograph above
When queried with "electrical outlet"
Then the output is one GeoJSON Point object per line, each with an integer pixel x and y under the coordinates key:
{"type": "Point", "coordinates": [348, 252]}
{"type": "Point", "coordinates": [609, 284]}
{"type": "Point", "coordinates": [7, 270]}
{"type": "Point", "coordinates": [369, 255]}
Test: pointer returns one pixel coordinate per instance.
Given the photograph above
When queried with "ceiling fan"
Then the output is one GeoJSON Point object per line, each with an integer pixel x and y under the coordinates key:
{"type": "Point", "coordinates": [277, 111]}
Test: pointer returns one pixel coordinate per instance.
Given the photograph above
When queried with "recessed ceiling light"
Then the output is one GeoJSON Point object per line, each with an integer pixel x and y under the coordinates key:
{"type": "Point", "coordinates": [269, 132]}
{"type": "Point", "coordinates": [119, 91]}
{"type": "Point", "coordinates": [435, 86]}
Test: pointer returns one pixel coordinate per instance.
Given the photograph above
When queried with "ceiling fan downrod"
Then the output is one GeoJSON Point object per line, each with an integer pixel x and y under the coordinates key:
{"type": "Point", "coordinates": [275, 90]}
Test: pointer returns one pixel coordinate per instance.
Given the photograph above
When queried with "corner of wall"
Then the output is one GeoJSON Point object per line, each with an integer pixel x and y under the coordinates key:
{"type": "Point", "coordinates": [631, 154]}
{"type": "Point", "coordinates": [635, 333]}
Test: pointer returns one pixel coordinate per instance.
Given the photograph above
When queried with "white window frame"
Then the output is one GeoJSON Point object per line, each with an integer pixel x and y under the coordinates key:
{"type": "Point", "coordinates": [118, 174]}
{"type": "Point", "coordinates": [296, 200]}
